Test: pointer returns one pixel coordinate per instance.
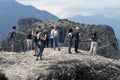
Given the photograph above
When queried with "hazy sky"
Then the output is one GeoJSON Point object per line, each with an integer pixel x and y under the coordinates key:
{"type": "Point", "coordinates": [69, 8]}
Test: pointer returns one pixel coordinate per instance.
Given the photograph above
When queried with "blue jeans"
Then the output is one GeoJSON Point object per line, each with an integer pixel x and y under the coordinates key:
{"type": "Point", "coordinates": [56, 43]}
{"type": "Point", "coordinates": [40, 53]}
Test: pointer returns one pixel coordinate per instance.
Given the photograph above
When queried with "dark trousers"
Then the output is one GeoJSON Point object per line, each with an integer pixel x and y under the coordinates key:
{"type": "Point", "coordinates": [51, 42]}
{"type": "Point", "coordinates": [69, 45]}
{"type": "Point", "coordinates": [46, 43]}
{"type": "Point", "coordinates": [76, 45]}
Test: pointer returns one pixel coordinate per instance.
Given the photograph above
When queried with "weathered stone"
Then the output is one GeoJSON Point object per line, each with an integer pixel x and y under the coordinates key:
{"type": "Point", "coordinates": [58, 65]}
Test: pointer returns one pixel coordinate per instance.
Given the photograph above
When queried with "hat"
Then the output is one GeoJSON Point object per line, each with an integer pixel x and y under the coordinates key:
{"type": "Point", "coordinates": [77, 27]}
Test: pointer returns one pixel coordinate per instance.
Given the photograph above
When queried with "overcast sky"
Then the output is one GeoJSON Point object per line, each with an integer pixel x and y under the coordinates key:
{"type": "Point", "coordinates": [69, 8]}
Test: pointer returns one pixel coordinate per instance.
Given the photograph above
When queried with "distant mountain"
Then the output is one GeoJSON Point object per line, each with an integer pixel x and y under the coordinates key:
{"type": "Point", "coordinates": [99, 19]}
{"type": "Point", "coordinates": [11, 11]}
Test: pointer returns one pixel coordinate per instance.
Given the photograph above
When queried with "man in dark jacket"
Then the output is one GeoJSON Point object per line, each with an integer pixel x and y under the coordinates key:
{"type": "Point", "coordinates": [76, 34]}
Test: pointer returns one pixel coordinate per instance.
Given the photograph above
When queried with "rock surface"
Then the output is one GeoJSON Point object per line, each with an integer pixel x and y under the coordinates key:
{"type": "Point", "coordinates": [58, 65]}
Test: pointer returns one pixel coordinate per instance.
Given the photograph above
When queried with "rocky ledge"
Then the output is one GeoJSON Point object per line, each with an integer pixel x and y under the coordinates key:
{"type": "Point", "coordinates": [58, 65]}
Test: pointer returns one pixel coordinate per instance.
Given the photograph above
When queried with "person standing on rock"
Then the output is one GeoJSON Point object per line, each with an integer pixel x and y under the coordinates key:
{"type": "Point", "coordinates": [51, 37]}
{"type": "Point", "coordinates": [70, 37]}
{"type": "Point", "coordinates": [93, 48]}
{"type": "Point", "coordinates": [76, 35]}
{"type": "Point", "coordinates": [41, 38]}
{"type": "Point", "coordinates": [35, 41]}
{"type": "Point", "coordinates": [12, 38]}
{"type": "Point", "coordinates": [55, 34]}
{"type": "Point", "coordinates": [46, 42]}
{"type": "Point", "coordinates": [29, 39]}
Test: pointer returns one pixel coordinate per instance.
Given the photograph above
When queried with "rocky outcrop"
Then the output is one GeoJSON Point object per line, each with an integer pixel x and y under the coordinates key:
{"type": "Point", "coordinates": [107, 42]}
{"type": "Point", "coordinates": [58, 65]}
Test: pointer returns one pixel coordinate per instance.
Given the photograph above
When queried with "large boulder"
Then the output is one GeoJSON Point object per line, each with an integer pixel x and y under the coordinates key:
{"type": "Point", "coordinates": [58, 65]}
{"type": "Point", "coordinates": [82, 70]}
{"type": "Point", "coordinates": [107, 42]}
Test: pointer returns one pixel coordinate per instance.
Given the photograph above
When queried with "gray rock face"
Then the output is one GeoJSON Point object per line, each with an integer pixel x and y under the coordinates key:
{"type": "Point", "coordinates": [107, 42]}
{"type": "Point", "coordinates": [82, 70]}
{"type": "Point", "coordinates": [58, 65]}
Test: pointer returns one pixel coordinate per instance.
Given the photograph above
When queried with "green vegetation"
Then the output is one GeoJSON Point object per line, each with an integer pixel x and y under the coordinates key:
{"type": "Point", "coordinates": [26, 23]}
{"type": "Point", "coordinates": [63, 24]}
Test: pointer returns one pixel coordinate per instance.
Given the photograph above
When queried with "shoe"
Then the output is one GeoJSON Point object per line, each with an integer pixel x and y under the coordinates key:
{"type": "Point", "coordinates": [59, 50]}
{"type": "Point", "coordinates": [70, 52]}
{"type": "Point", "coordinates": [34, 55]}
{"type": "Point", "coordinates": [77, 51]}
{"type": "Point", "coordinates": [41, 58]}
{"type": "Point", "coordinates": [36, 59]}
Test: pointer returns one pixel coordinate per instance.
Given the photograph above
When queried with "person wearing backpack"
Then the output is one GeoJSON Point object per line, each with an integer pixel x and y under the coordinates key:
{"type": "Point", "coordinates": [41, 38]}
{"type": "Point", "coordinates": [12, 38]}
{"type": "Point", "coordinates": [70, 37]}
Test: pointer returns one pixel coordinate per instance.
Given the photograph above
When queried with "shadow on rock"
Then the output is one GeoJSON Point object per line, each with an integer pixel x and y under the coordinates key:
{"type": "Point", "coordinates": [2, 77]}
{"type": "Point", "coordinates": [82, 70]}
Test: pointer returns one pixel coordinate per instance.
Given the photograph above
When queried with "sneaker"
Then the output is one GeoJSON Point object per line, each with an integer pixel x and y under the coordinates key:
{"type": "Point", "coordinates": [59, 50]}
{"type": "Point", "coordinates": [77, 51]}
{"type": "Point", "coordinates": [35, 55]}
{"type": "Point", "coordinates": [70, 52]}
{"type": "Point", "coordinates": [41, 58]}
{"type": "Point", "coordinates": [36, 59]}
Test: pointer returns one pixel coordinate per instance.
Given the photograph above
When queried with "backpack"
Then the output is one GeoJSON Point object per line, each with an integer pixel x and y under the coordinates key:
{"type": "Point", "coordinates": [10, 35]}
{"type": "Point", "coordinates": [70, 35]}
{"type": "Point", "coordinates": [40, 41]}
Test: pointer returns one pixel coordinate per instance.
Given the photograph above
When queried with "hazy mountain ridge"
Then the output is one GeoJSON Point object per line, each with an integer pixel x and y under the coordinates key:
{"type": "Point", "coordinates": [11, 11]}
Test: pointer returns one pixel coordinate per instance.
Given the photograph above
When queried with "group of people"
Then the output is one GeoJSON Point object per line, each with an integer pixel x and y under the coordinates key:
{"type": "Point", "coordinates": [39, 37]}
{"type": "Point", "coordinates": [74, 36]}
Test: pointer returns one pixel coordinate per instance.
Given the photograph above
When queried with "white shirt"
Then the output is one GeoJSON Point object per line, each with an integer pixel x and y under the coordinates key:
{"type": "Point", "coordinates": [54, 33]}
